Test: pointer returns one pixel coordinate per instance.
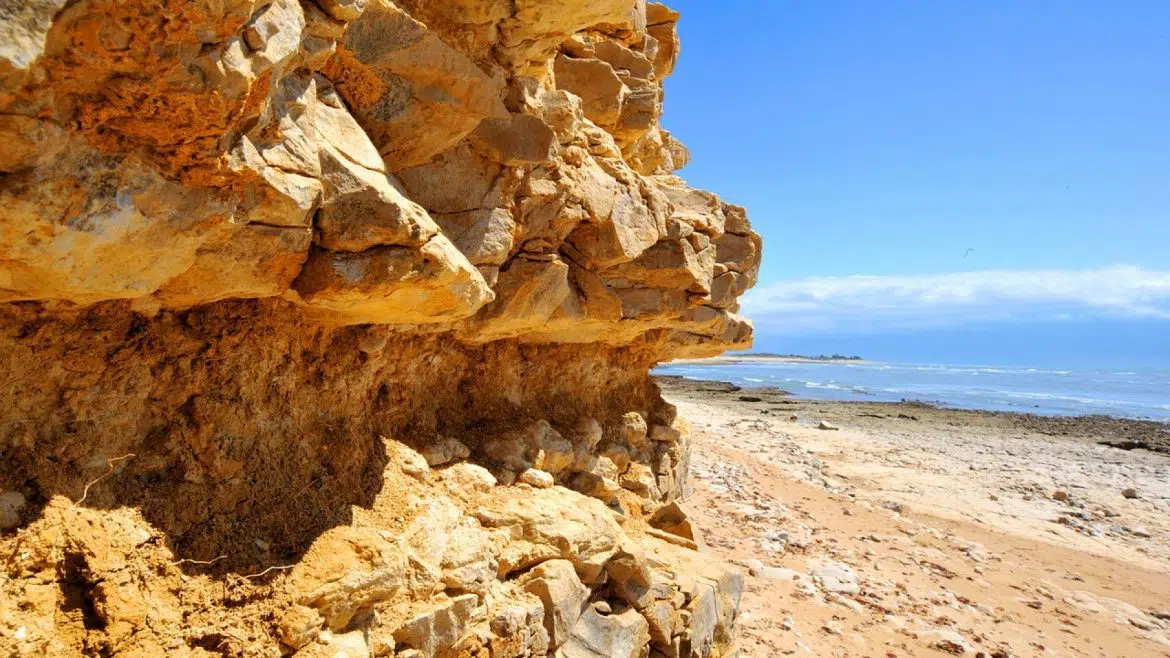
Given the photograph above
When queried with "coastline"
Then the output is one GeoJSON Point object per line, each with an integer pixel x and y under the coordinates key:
{"type": "Point", "coordinates": [918, 530]}
{"type": "Point", "coordinates": [1113, 431]}
{"type": "Point", "coordinates": [765, 358]}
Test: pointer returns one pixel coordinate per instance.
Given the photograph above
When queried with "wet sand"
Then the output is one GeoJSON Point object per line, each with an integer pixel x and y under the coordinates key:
{"type": "Point", "coordinates": [911, 530]}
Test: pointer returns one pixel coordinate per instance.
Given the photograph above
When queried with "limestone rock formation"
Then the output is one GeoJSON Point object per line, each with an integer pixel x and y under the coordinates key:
{"type": "Point", "coordinates": [326, 328]}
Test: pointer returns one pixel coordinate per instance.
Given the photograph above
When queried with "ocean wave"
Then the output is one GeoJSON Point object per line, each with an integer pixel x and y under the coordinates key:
{"type": "Point", "coordinates": [989, 370]}
{"type": "Point", "coordinates": [1056, 397]}
{"type": "Point", "coordinates": [1039, 390]}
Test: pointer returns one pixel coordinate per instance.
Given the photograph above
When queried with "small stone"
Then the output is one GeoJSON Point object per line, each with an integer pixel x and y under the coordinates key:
{"type": "Point", "coordinates": [788, 623]}
{"type": "Point", "coordinates": [412, 463]}
{"type": "Point", "coordinates": [537, 478]}
{"type": "Point", "coordinates": [372, 344]}
{"type": "Point", "coordinates": [892, 506]}
{"type": "Point", "coordinates": [299, 626]}
{"type": "Point", "coordinates": [602, 607]}
{"type": "Point", "coordinates": [840, 578]}
{"type": "Point", "coordinates": [1060, 495]}
{"type": "Point", "coordinates": [140, 536]}
{"type": "Point", "coordinates": [1130, 493]}
{"type": "Point", "coordinates": [466, 478]}
{"type": "Point", "coordinates": [343, 10]}
{"type": "Point", "coordinates": [848, 603]}
{"type": "Point", "coordinates": [1140, 531]}
{"type": "Point", "coordinates": [671, 518]}
{"type": "Point", "coordinates": [825, 425]}
{"type": "Point", "coordinates": [779, 573]}
{"type": "Point", "coordinates": [11, 503]}
{"type": "Point", "coordinates": [444, 451]}
{"type": "Point", "coordinates": [945, 640]}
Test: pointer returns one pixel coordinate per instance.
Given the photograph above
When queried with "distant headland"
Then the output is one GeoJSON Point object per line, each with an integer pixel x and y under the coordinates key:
{"type": "Point", "coordinates": [768, 356]}
{"type": "Point", "coordinates": [805, 357]}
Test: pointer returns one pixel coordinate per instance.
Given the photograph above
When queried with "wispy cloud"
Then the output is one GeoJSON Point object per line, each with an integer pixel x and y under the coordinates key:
{"type": "Point", "coordinates": [870, 303]}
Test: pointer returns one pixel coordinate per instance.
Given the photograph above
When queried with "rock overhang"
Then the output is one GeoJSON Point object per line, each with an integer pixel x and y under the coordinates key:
{"type": "Point", "coordinates": [371, 162]}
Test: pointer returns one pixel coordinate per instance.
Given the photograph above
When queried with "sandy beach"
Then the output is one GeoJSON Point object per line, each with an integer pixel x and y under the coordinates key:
{"type": "Point", "coordinates": [885, 529]}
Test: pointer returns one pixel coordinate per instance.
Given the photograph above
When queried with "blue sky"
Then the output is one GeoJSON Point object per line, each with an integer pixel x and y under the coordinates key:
{"type": "Point", "coordinates": [885, 139]}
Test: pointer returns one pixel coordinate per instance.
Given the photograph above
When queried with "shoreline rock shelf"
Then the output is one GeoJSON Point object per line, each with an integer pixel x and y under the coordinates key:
{"type": "Point", "coordinates": [326, 330]}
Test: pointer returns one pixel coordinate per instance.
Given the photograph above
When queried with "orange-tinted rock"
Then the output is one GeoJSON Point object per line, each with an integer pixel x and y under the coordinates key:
{"type": "Point", "coordinates": [264, 264]}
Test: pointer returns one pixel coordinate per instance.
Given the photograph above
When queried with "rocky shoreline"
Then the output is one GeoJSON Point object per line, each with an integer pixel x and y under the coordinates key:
{"type": "Point", "coordinates": [910, 530]}
{"type": "Point", "coordinates": [1114, 432]}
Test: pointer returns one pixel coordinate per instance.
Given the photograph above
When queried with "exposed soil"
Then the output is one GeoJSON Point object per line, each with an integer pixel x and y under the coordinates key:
{"type": "Point", "coordinates": [240, 420]}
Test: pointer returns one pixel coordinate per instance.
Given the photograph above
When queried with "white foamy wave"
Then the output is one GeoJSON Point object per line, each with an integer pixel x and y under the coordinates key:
{"type": "Point", "coordinates": [1022, 395]}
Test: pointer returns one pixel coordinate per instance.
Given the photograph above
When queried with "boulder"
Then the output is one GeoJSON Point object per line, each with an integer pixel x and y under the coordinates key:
{"type": "Point", "coordinates": [671, 518]}
{"type": "Point", "coordinates": [392, 285]}
{"type": "Point", "coordinates": [438, 628]}
{"type": "Point", "coordinates": [415, 95]}
{"type": "Point", "coordinates": [608, 636]}
{"type": "Point", "coordinates": [444, 451]}
{"type": "Point", "coordinates": [556, 584]}
{"type": "Point", "coordinates": [346, 573]}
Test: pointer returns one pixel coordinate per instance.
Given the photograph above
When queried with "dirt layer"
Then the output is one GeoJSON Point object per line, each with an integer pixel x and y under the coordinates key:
{"type": "Point", "coordinates": [240, 419]}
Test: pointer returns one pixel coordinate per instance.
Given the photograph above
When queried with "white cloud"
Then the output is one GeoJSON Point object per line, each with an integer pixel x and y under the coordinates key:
{"type": "Point", "coordinates": [869, 303]}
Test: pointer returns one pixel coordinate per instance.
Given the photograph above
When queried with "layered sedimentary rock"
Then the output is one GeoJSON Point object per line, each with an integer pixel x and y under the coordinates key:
{"type": "Point", "coordinates": [325, 330]}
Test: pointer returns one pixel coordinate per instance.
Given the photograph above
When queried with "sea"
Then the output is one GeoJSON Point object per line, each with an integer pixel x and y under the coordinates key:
{"type": "Point", "coordinates": [1135, 392]}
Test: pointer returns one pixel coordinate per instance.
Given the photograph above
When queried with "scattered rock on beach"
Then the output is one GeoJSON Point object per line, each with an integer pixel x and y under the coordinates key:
{"type": "Point", "coordinates": [1130, 493]}
{"type": "Point", "coordinates": [759, 570]}
{"type": "Point", "coordinates": [839, 578]}
{"type": "Point", "coordinates": [945, 640]}
{"type": "Point", "coordinates": [825, 425]}
{"type": "Point", "coordinates": [1060, 495]}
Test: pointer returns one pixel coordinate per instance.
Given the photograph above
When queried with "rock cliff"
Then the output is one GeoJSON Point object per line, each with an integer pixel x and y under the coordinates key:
{"type": "Point", "coordinates": [325, 330]}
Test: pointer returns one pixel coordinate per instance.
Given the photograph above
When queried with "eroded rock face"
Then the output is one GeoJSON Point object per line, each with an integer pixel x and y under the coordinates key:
{"type": "Point", "coordinates": [327, 327]}
{"type": "Point", "coordinates": [372, 162]}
